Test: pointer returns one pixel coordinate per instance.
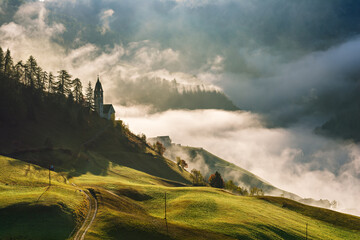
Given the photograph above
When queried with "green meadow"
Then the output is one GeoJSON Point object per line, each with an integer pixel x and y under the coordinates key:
{"type": "Point", "coordinates": [132, 206]}
{"type": "Point", "coordinates": [30, 209]}
{"type": "Point", "coordinates": [137, 212]}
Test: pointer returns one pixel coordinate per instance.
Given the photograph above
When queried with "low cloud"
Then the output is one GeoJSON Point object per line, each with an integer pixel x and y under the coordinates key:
{"type": "Point", "coordinates": [266, 68]}
{"type": "Point", "coordinates": [292, 159]}
{"type": "Point", "coordinates": [194, 162]}
{"type": "Point", "coordinates": [288, 91]}
{"type": "Point", "coordinates": [30, 34]}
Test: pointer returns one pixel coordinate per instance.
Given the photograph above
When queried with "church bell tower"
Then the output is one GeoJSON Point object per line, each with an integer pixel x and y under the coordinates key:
{"type": "Point", "coordinates": [98, 98]}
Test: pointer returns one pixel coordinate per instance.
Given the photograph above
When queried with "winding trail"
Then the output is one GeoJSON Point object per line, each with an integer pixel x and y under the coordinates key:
{"type": "Point", "coordinates": [90, 217]}
{"type": "Point", "coordinates": [93, 204]}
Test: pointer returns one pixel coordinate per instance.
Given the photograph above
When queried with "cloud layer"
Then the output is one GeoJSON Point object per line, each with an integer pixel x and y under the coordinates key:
{"type": "Point", "coordinates": [292, 159]}
{"type": "Point", "coordinates": [283, 59]}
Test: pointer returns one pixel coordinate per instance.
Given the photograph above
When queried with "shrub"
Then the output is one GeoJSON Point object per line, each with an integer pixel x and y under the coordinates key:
{"type": "Point", "coordinates": [254, 191]}
{"type": "Point", "coordinates": [215, 180]}
{"type": "Point", "coordinates": [197, 178]}
{"type": "Point", "coordinates": [181, 162]}
{"type": "Point", "coordinates": [229, 185]}
{"type": "Point", "coordinates": [159, 148]}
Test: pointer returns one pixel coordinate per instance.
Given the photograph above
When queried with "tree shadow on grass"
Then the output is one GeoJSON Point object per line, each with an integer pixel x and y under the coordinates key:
{"type": "Point", "coordinates": [35, 221]}
{"type": "Point", "coordinates": [111, 147]}
{"type": "Point", "coordinates": [259, 231]}
{"type": "Point", "coordinates": [279, 232]}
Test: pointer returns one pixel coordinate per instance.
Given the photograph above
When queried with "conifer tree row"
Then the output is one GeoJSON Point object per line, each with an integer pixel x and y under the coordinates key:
{"type": "Point", "coordinates": [33, 76]}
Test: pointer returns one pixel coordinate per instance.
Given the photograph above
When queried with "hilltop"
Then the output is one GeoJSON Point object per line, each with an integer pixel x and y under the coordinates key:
{"type": "Point", "coordinates": [73, 148]}
{"type": "Point", "coordinates": [55, 138]}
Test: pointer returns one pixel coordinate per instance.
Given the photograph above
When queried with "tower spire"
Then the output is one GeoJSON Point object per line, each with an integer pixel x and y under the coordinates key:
{"type": "Point", "coordinates": [98, 97]}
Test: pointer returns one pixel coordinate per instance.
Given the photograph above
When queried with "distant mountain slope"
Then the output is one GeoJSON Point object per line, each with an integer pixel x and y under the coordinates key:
{"type": "Point", "coordinates": [227, 170]}
{"type": "Point", "coordinates": [208, 163]}
{"type": "Point", "coordinates": [164, 95]}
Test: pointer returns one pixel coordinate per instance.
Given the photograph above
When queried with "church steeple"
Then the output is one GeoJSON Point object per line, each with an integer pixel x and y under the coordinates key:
{"type": "Point", "coordinates": [98, 97]}
{"type": "Point", "coordinates": [106, 111]}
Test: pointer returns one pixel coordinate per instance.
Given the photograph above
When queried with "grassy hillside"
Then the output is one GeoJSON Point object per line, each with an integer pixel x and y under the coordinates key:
{"type": "Point", "coordinates": [131, 206]}
{"type": "Point", "coordinates": [30, 209]}
{"type": "Point", "coordinates": [55, 138]}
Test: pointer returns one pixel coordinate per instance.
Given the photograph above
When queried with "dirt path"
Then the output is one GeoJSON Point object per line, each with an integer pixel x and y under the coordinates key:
{"type": "Point", "coordinates": [90, 217]}
{"type": "Point", "coordinates": [111, 193]}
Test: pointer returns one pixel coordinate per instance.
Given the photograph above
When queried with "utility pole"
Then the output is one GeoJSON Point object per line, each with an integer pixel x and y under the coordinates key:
{"type": "Point", "coordinates": [49, 176]}
{"type": "Point", "coordinates": [165, 206]}
{"type": "Point", "coordinates": [167, 229]}
{"type": "Point", "coordinates": [51, 168]}
{"type": "Point", "coordinates": [306, 230]}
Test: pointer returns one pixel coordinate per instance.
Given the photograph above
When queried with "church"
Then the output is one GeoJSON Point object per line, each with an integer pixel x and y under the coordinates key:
{"type": "Point", "coordinates": [106, 111]}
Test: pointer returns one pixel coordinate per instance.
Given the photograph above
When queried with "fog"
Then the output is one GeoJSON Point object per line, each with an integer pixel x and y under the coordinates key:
{"type": "Point", "coordinates": [293, 159]}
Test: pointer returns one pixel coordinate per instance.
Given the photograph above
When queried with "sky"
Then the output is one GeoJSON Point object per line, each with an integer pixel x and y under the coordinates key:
{"type": "Point", "coordinates": [288, 65]}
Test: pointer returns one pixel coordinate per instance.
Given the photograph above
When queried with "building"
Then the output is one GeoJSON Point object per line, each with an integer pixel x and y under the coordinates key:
{"type": "Point", "coordinates": [164, 140]}
{"type": "Point", "coordinates": [104, 110]}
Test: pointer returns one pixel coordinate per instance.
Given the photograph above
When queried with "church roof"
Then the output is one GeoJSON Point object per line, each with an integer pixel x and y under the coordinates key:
{"type": "Point", "coordinates": [98, 86]}
{"type": "Point", "coordinates": [107, 108]}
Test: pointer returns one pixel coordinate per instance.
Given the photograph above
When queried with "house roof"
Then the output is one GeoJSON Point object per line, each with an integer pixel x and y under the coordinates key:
{"type": "Point", "coordinates": [107, 108]}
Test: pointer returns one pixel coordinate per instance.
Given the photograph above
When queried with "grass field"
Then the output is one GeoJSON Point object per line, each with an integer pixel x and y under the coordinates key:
{"type": "Point", "coordinates": [30, 209]}
{"type": "Point", "coordinates": [131, 206]}
{"type": "Point", "coordinates": [135, 210]}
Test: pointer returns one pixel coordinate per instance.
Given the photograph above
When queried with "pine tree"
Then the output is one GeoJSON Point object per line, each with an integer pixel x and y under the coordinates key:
{"type": "Point", "coordinates": [77, 90]}
{"type": "Point", "coordinates": [64, 83]}
{"type": "Point", "coordinates": [31, 69]}
{"type": "Point", "coordinates": [51, 83]}
{"type": "Point", "coordinates": [45, 79]}
{"type": "Point", "coordinates": [19, 71]}
{"type": "Point", "coordinates": [8, 63]}
{"type": "Point", "coordinates": [89, 97]}
{"type": "Point", "coordinates": [2, 60]}
{"type": "Point", "coordinates": [39, 78]}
